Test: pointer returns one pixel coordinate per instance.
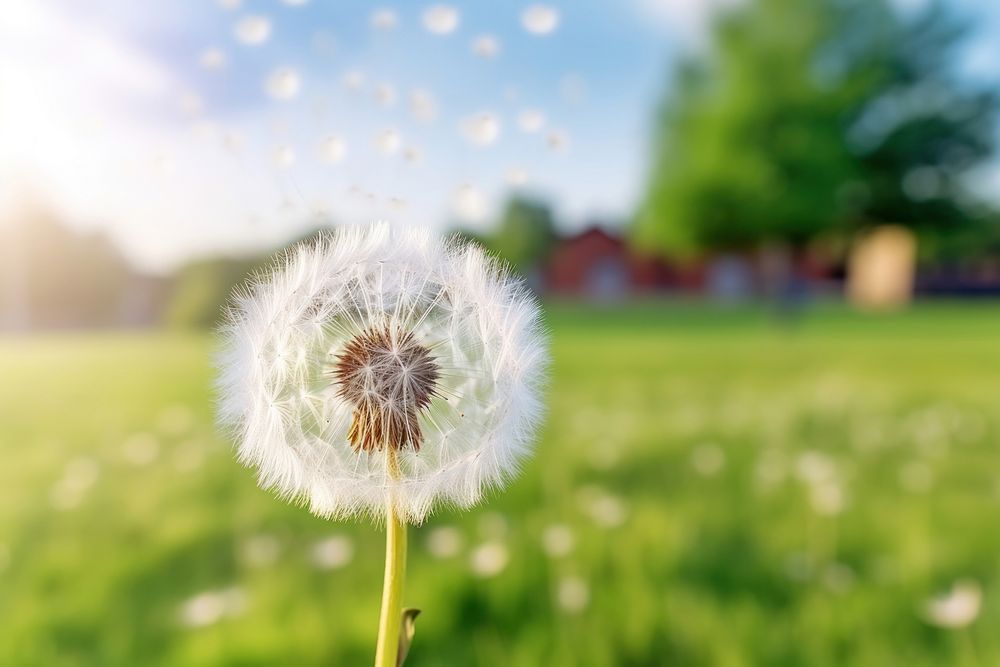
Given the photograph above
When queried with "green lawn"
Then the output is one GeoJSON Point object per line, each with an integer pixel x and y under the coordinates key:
{"type": "Point", "coordinates": [711, 488]}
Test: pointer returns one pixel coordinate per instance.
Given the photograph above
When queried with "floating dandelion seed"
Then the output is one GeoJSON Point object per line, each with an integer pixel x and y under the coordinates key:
{"type": "Point", "coordinates": [412, 154]}
{"type": "Point", "coordinates": [557, 140]}
{"type": "Point", "coordinates": [385, 94]}
{"type": "Point", "coordinates": [469, 204]}
{"type": "Point", "coordinates": [388, 141]}
{"type": "Point", "coordinates": [422, 105]}
{"type": "Point", "coordinates": [333, 149]}
{"type": "Point", "coordinates": [481, 129]}
{"type": "Point", "coordinates": [440, 19]}
{"type": "Point", "coordinates": [284, 157]}
{"type": "Point", "coordinates": [283, 83]}
{"type": "Point", "coordinates": [212, 59]}
{"type": "Point", "coordinates": [530, 120]}
{"type": "Point", "coordinates": [384, 19]}
{"type": "Point", "coordinates": [516, 176]}
{"type": "Point", "coordinates": [486, 46]}
{"type": "Point", "coordinates": [253, 30]}
{"type": "Point", "coordinates": [540, 19]}
{"type": "Point", "coordinates": [956, 609]}
{"type": "Point", "coordinates": [384, 372]}
{"type": "Point", "coordinates": [354, 79]}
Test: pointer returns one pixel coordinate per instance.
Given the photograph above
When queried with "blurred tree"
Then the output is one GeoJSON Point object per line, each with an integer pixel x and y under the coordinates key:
{"type": "Point", "coordinates": [524, 235]}
{"type": "Point", "coordinates": [811, 117]}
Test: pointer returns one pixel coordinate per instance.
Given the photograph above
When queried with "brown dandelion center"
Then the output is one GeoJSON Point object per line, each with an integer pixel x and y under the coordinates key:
{"type": "Point", "coordinates": [389, 378]}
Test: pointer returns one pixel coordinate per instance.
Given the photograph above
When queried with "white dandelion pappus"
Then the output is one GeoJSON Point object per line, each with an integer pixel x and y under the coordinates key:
{"type": "Point", "coordinates": [383, 365]}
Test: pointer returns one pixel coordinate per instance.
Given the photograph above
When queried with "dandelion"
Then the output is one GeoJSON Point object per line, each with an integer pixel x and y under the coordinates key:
{"type": "Point", "coordinates": [957, 608]}
{"type": "Point", "coordinates": [383, 373]}
{"type": "Point", "coordinates": [283, 83]}
{"type": "Point", "coordinates": [486, 46]}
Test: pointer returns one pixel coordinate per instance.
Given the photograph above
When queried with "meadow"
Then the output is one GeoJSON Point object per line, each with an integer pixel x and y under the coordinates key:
{"type": "Point", "coordinates": [712, 487]}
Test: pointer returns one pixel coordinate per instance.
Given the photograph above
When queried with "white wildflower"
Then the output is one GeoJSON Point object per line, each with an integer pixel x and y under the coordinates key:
{"type": "Point", "coordinates": [381, 364]}
{"type": "Point", "coordinates": [957, 608]}
{"type": "Point", "coordinates": [444, 542]}
{"type": "Point", "coordinates": [489, 559]}
{"type": "Point", "coordinates": [573, 594]}
{"type": "Point", "coordinates": [333, 552]}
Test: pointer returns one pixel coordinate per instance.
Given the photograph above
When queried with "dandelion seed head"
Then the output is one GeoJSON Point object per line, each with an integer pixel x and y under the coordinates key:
{"type": "Point", "coordinates": [382, 363]}
{"type": "Point", "coordinates": [957, 608]}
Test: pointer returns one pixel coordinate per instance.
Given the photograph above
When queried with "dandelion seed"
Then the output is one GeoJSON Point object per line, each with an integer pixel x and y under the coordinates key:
{"type": "Point", "coordinates": [516, 176]}
{"type": "Point", "coordinates": [440, 19]}
{"type": "Point", "coordinates": [530, 120]}
{"type": "Point", "coordinates": [253, 30]}
{"type": "Point", "coordinates": [212, 59]}
{"type": "Point", "coordinates": [354, 79]}
{"type": "Point", "coordinates": [956, 609]}
{"type": "Point", "coordinates": [481, 129]}
{"type": "Point", "coordinates": [384, 19]}
{"type": "Point", "coordinates": [412, 154]}
{"type": "Point", "coordinates": [284, 157]}
{"type": "Point", "coordinates": [388, 141]}
{"type": "Point", "coordinates": [573, 594]}
{"type": "Point", "coordinates": [540, 19]}
{"type": "Point", "coordinates": [444, 542]}
{"type": "Point", "coordinates": [422, 105]}
{"type": "Point", "coordinates": [557, 141]}
{"type": "Point", "coordinates": [486, 46]}
{"type": "Point", "coordinates": [385, 94]}
{"type": "Point", "coordinates": [469, 204]}
{"type": "Point", "coordinates": [333, 149]}
{"type": "Point", "coordinates": [489, 559]}
{"type": "Point", "coordinates": [283, 83]}
{"type": "Point", "coordinates": [333, 553]}
{"type": "Point", "coordinates": [558, 540]}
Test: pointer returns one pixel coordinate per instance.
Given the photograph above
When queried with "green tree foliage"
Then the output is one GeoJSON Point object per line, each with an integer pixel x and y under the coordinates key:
{"type": "Point", "coordinates": [811, 117]}
{"type": "Point", "coordinates": [525, 233]}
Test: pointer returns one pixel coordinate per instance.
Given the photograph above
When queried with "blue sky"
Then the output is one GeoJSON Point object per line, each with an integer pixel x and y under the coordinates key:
{"type": "Point", "coordinates": [122, 120]}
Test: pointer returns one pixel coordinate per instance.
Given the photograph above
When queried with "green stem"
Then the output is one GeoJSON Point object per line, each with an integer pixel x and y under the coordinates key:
{"type": "Point", "coordinates": [387, 650]}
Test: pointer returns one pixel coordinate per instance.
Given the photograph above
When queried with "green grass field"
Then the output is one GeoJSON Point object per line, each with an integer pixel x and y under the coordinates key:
{"type": "Point", "coordinates": [711, 488]}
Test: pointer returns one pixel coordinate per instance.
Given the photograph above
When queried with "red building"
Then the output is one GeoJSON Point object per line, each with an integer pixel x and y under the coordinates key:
{"type": "Point", "coordinates": [597, 265]}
